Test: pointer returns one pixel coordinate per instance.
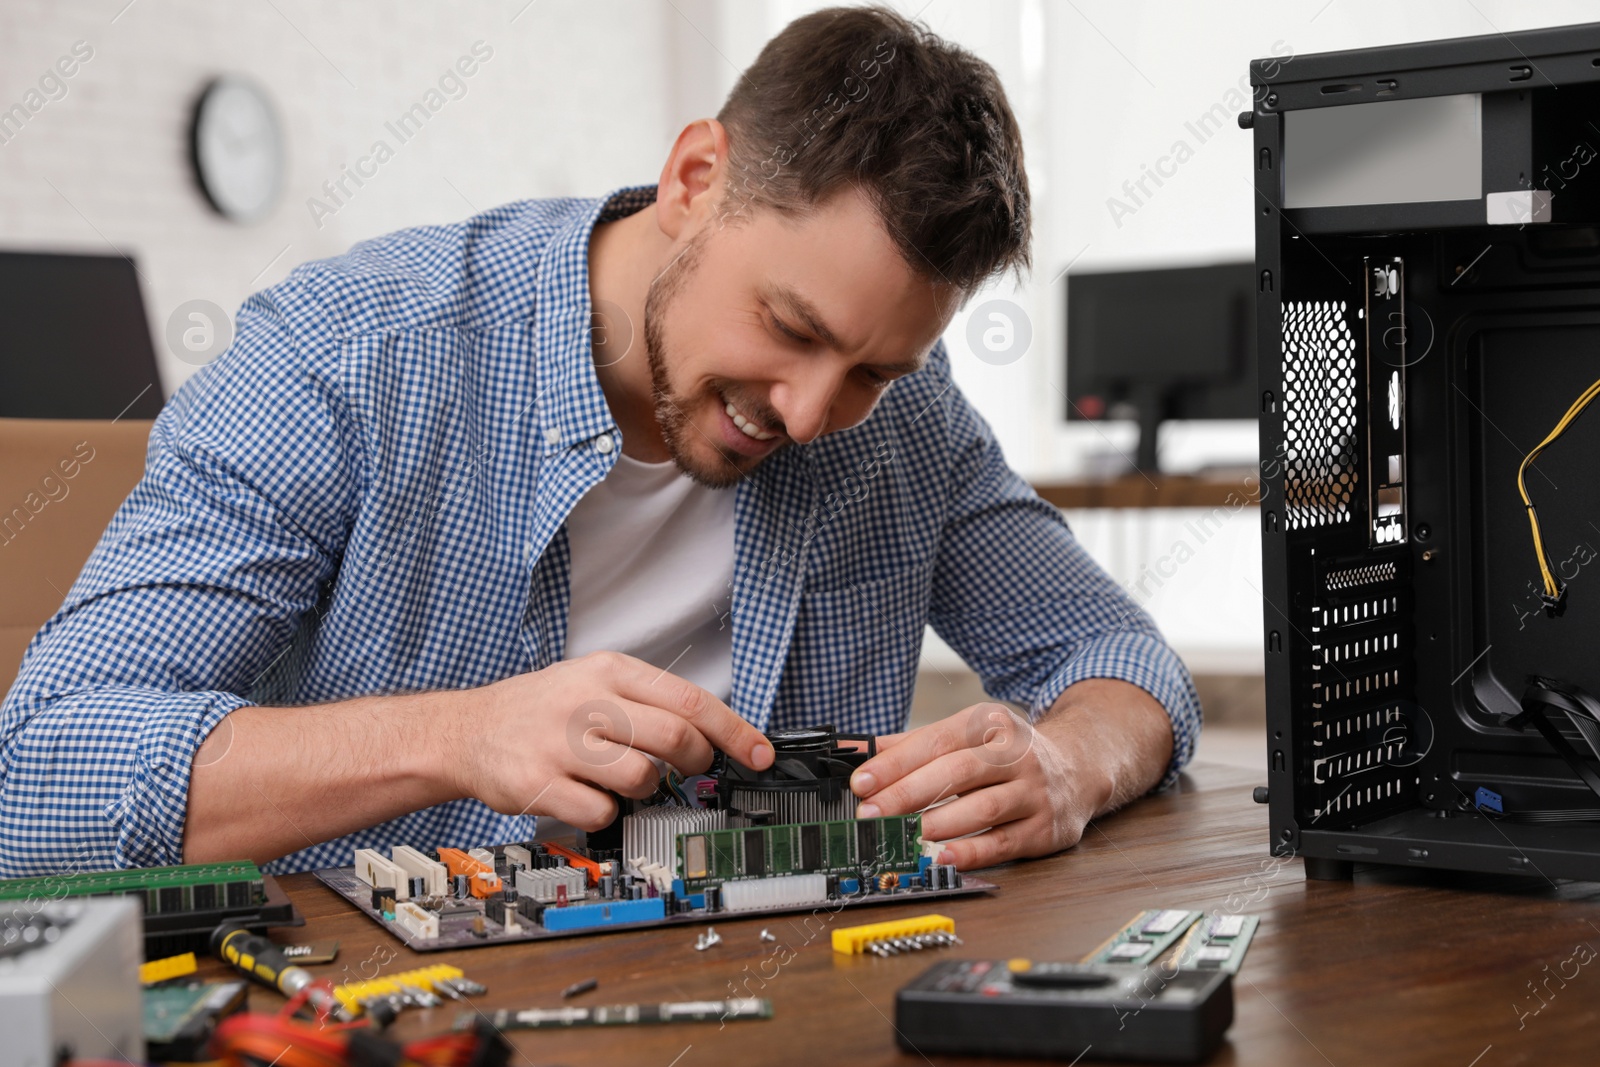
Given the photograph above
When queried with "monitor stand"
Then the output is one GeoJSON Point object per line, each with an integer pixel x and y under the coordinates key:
{"type": "Point", "coordinates": [1152, 405]}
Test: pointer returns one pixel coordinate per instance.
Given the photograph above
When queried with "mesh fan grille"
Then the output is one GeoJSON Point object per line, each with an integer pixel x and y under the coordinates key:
{"type": "Point", "coordinates": [1350, 577]}
{"type": "Point", "coordinates": [1319, 413]}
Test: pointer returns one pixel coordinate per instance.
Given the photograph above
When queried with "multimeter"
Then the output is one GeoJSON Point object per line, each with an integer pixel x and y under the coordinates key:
{"type": "Point", "coordinates": [1092, 1011]}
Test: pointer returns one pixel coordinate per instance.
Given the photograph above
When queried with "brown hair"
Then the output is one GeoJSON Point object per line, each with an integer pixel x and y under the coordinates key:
{"type": "Point", "coordinates": [864, 96]}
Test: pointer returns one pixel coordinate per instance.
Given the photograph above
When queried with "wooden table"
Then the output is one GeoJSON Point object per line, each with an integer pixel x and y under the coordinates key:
{"type": "Point", "coordinates": [1399, 967]}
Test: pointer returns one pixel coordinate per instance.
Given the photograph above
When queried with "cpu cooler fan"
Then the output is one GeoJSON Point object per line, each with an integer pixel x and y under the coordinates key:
{"type": "Point", "coordinates": [809, 780]}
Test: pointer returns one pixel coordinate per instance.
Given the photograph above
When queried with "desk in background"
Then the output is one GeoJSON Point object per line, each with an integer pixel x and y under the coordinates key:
{"type": "Point", "coordinates": [1187, 548]}
{"type": "Point", "coordinates": [1217, 490]}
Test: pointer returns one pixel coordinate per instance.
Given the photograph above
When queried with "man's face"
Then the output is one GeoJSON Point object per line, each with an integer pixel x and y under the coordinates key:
{"type": "Point", "coordinates": [777, 330]}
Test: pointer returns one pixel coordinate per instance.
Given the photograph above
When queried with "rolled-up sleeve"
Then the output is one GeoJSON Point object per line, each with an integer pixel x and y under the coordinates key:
{"type": "Point", "coordinates": [193, 592]}
{"type": "Point", "coordinates": [1024, 604]}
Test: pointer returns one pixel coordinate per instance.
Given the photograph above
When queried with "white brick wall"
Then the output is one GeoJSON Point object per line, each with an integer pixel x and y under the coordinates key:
{"type": "Point", "coordinates": [577, 98]}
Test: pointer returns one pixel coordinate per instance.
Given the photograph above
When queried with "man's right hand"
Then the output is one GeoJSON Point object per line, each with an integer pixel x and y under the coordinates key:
{"type": "Point", "coordinates": [550, 742]}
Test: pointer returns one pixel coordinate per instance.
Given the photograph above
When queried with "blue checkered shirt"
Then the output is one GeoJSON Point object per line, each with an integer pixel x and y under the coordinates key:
{"type": "Point", "coordinates": [366, 494]}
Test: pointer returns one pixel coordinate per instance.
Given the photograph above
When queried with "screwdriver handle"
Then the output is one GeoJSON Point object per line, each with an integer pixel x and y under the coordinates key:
{"type": "Point", "coordinates": [256, 956]}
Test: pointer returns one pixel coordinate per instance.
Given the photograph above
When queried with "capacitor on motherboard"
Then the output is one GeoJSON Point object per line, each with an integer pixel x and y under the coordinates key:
{"type": "Point", "coordinates": [713, 898]}
{"type": "Point", "coordinates": [608, 886]}
{"type": "Point", "coordinates": [463, 885]}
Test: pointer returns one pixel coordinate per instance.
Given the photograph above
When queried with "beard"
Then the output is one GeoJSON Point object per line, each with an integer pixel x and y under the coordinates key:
{"type": "Point", "coordinates": [728, 468]}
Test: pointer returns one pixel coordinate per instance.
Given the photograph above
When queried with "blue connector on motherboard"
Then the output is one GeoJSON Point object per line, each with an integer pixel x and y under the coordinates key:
{"type": "Point", "coordinates": [607, 913]}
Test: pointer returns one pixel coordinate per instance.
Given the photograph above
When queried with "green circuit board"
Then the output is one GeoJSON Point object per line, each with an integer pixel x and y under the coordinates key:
{"type": "Point", "coordinates": [191, 887]}
{"type": "Point", "coordinates": [846, 848]}
{"type": "Point", "coordinates": [1145, 937]}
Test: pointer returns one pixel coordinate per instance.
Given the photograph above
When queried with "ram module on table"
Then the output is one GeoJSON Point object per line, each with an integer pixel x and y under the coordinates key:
{"type": "Point", "coordinates": [182, 904]}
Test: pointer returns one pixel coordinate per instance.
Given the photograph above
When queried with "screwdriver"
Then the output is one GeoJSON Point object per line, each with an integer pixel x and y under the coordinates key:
{"type": "Point", "coordinates": [261, 959]}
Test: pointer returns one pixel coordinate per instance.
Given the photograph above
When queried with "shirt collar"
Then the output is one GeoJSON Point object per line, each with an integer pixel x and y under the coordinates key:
{"type": "Point", "coordinates": [571, 405]}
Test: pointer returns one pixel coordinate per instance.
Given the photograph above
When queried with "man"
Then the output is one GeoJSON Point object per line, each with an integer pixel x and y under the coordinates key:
{"type": "Point", "coordinates": [472, 522]}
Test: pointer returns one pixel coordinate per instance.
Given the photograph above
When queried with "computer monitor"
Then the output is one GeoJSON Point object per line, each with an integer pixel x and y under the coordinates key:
{"type": "Point", "coordinates": [74, 341]}
{"type": "Point", "coordinates": [1151, 345]}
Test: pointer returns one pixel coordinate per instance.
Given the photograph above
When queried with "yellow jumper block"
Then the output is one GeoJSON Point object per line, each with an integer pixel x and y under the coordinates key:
{"type": "Point", "coordinates": [351, 994]}
{"type": "Point", "coordinates": [171, 967]}
{"type": "Point", "coordinates": [853, 940]}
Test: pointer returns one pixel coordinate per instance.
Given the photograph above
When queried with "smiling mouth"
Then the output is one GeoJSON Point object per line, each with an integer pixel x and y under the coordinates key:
{"type": "Point", "coordinates": [746, 425]}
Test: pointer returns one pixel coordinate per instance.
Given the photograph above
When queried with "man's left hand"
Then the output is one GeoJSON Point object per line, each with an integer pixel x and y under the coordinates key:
{"type": "Point", "coordinates": [1030, 789]}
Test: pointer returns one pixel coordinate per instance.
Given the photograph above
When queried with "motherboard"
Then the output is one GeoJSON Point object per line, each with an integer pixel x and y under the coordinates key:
{"type": "Point", "coordinates": [688, 855]}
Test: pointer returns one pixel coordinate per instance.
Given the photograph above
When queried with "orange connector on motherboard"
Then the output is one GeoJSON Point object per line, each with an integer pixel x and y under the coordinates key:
{"type": "Point", "coordinates": [578, 860]}
{"type": "Point", "coordinates": [480, 876]}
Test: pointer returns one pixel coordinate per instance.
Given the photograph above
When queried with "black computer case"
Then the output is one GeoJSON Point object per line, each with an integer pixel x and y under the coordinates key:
{"type": "Point", "coordinates": [1410, 355]}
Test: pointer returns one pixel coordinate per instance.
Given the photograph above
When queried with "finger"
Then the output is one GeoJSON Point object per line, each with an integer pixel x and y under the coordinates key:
{"type": "Point", "coordinates": [617, 767]}
{"type": "Point", "coordinates": [989, 726]}
{"type": "Point", "coordinates": [982, 809]}
{"type": "Point", "coordinates": [956, 772]}
{"type": "Point", "coordinates": [997, 845]}
{"type": "Point", "coordinates": [581, 805]}
{"type": "Point", "coordinates": [717, 723]}
{"type": "Point", "coordinates": [598, 732]}
{"type": "Point", "coordinates": [574, 802]}
{"type": "Point", "coordinates": [910, 750]}
{"type": "Point", "coordinates": [650, 730]}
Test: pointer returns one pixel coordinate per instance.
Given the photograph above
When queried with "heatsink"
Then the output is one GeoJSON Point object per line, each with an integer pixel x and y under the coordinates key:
{"type": "Point", "coordinates": [544, 885]}
{"type": "Point", "coordinates": [652, 833]}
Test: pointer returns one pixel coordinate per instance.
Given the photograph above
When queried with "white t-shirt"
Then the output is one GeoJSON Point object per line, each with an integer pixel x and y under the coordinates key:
{"type": "Point", "coordinates": [652, 563]}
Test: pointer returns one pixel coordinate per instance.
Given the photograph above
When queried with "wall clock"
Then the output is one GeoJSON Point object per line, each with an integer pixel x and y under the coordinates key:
{"type": "Point", "coordinates": [237, 149]}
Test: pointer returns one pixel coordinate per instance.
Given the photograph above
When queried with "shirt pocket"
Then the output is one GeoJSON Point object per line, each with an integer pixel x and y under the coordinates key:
{"type": "Point", "coordinates": [853, 659]}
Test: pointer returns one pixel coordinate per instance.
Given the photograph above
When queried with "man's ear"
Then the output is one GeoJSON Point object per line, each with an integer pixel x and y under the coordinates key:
{"type": "Point", "coordinates": [692, 179]}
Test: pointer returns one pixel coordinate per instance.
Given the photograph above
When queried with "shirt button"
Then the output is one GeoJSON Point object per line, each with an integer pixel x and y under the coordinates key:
{"type": "Point", "coordinates": [552, 436]}
{"type": "Point", "coordinates": [604, 444]}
